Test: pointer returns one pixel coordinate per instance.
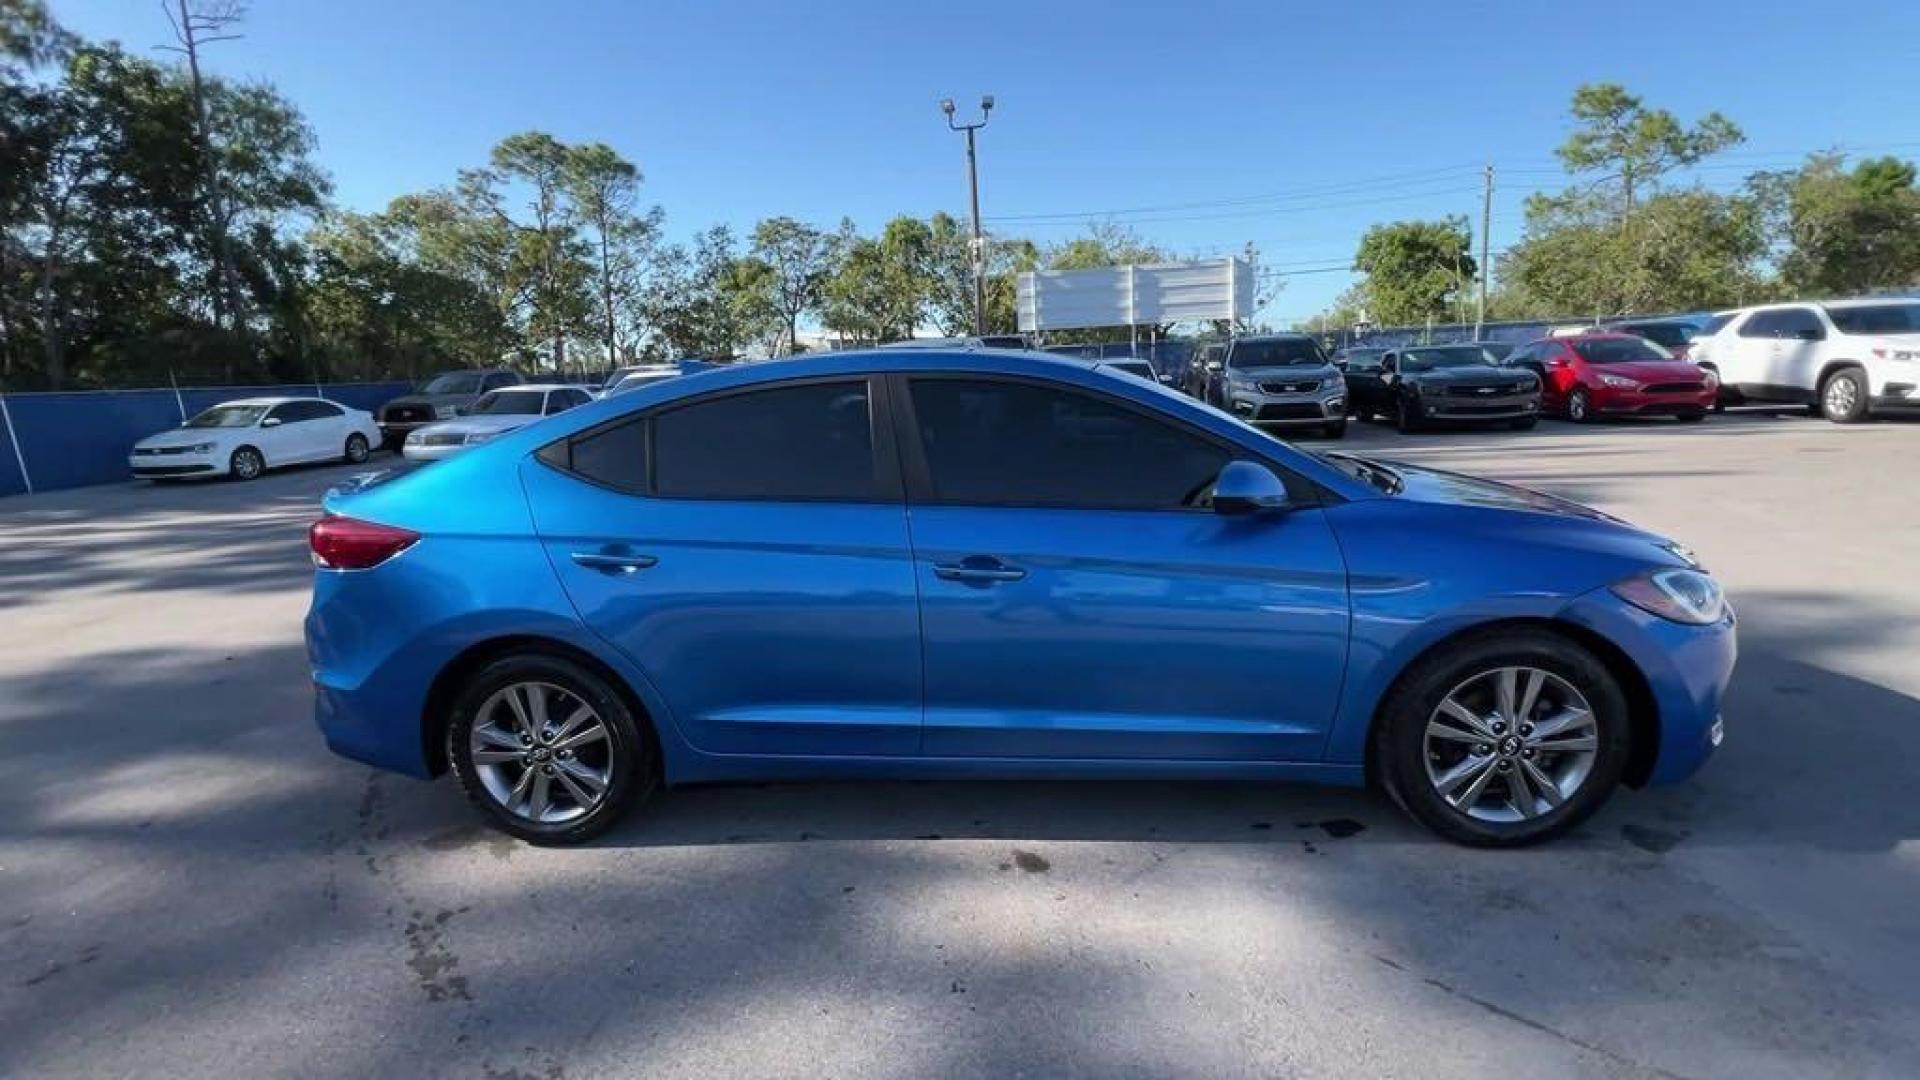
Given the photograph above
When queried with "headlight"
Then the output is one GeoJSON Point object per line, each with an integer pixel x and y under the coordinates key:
{"type": "Point", "coordinates": [445, 412]}
{"type": "Point", "coordinates": [1675, 593]}
{"type": "Point", "coordinates": [479, 437]}
{"type": "Point", "coordinates": [1620, 382]}
{"type": "Point", "coordinates": [416, 437]}
{"type": "Point", "coordinates": [202, 448]}
{"type": "Point", "coordinates": [1239, 382]}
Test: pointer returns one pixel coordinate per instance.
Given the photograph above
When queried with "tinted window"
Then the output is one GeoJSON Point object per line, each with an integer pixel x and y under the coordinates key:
{"type": "Point", "coordinates": [454, 382]}
{"type": "Point", "coordinates": [562, 400]}
{"type": "Point", "coordinates": [498, 380]}
{"type": "Point", "coordinates": [228, 416]}
{"type": "Point", "coordinates": [1364, 360]}
{"type": "Point", "coordinates": [813, 441]}
{"type": "Point", "coordinates": [1716, 324]}
{"type": "Point", "coordinates": [287, 413]}
{"type": "Point", "coordinates": [1671, 335]}
{"type": "Point", "coordinates": [324, 410]}
{"type": "Point", "coordinates": [1876, 319]}
{"type": "Point", "coordinates": [1619, 350]}
{"type": "Point", "coordinates": [1016, 444]}
{"type": "Point", "coordinates": [615, 456]}
{"type": "Point", "coordinates": [1281, 353]}
{"type": "Point", "coordinates": [1799, 323]}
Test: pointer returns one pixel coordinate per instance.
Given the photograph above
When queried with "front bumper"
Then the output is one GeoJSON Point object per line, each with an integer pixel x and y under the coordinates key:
{"type": "Point", "coordinates": [417, 451]}
{"type": "Point", "coordinates": [1493, 407]}
{"type": "Point", "coordinates": [1644, 402]}
{"type": "Point", "coordinates": [1323, 405]}
{"type": "Point", "coordinates": [163, 466]}
{"type": "Point", "coordinates": [1687, 669]}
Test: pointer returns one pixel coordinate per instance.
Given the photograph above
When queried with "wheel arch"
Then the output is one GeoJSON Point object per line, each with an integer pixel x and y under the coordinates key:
{"type": "Point", "coordinates": [446, 684]}
{"type": "Point", "coordinates": [1831, 368]}
{"type": "Point", "coordinates": [1643, 711]}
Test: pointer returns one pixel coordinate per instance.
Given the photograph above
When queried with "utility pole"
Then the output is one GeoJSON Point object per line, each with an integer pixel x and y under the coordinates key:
{"type": "Point", "coordinates": [1486, 223]}
{"type": "Point", "coordinates": [973, 188]}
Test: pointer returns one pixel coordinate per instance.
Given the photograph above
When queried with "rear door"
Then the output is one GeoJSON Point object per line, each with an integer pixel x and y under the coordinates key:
{"type": "Point", "coordinates": [1078, 598]}
{"type": "Point", "coordinates": [285, 436]}
{"type": "Point", "coordinates": [748, 550]}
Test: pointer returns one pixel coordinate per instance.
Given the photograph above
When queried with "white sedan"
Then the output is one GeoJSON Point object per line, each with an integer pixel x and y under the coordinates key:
{"type": "Point", "coordinates": [244, 438]}
{"type": "Point", "coordinates": [495, 414]}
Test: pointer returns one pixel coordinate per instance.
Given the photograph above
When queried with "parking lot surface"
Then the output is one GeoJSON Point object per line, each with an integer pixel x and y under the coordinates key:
{"type": "Point", "coordinates": [190, 884]}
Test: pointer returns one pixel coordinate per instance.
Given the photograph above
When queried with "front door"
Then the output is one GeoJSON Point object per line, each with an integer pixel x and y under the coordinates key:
{"type": "Point", "coordinates": [1079, 599]}
{"type": "Point", "coordinates": [748, 551]}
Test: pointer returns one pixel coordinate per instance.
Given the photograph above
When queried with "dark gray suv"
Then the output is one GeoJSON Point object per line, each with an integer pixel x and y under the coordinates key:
{"type": "Point", "coordinates": [439, 398]}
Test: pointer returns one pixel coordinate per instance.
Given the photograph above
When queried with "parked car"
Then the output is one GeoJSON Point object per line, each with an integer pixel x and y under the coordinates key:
{"type": "Point", "coordinates": [1206, 360]}
{"type": "Point", "coordinates": [1499, 659]}
{"type": "Point", "coordinates": [1604, 374]}
{"type": "Point", "coordinates": [1673, 334]}
{"type": "Point", "coordinates": [1361, 367]}
{"type": "Point", "coordinates": [439, 398]}
{"type": "Point", "coordinates": [637, 377]}
{"type": "Point", "coordinates": [1419, 385]}
{"type": "Point", "coordinates": [496, 413]}
{"type": "Point", "coordinates": [244, 438]}
{"type": "Point", "coordinates": [1843, 360]}
{"type": "Point", "coordinates": [1281, 380]}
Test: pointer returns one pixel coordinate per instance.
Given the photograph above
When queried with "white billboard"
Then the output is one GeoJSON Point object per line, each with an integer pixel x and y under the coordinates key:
{"type": "Point", "coordinates": [1136, 295]}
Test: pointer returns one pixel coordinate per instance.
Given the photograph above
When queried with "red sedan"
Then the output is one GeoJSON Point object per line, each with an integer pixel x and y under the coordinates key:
{"type": "Point", "coordinates": [1591, 375]}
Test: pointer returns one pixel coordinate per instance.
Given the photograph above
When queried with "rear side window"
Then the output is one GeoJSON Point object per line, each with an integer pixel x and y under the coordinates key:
{"type": "Point", "coordinates": [795, 443]}
{"type": "Point", "coordinates": [989, 443]}
{"type": "Point", "coordinates": [614, 456]}
{"type": "Point", "coordinates": [1877, 319]}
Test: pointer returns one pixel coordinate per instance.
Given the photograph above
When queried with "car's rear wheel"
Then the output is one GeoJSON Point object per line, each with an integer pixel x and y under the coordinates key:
{"type": "Point", "coordinates": [1843, 397]}
{"type": "Point", "coordinates": [246, 463]}
{"type": "Point", "coordinates": [1504, 739]}
{"type": "Point", "coordinates": [1335, 430]}
{"type": "Point", "coordinates": [1579, 407]}
{"type": "Point", "coordinates": [357, 449]}
{"type": "Point", "coordinates": [547, 749]}
{"type": "Point", "coordinates": [1405, 417]}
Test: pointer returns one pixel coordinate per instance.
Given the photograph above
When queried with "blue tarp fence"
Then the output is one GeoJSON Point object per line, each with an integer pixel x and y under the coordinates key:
{"type": "Point", "coordinates": [65, 440]}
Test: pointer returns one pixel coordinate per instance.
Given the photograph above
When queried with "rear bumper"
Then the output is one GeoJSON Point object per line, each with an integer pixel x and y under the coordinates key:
{"type": "Point", "coordinates": [1687, 669]}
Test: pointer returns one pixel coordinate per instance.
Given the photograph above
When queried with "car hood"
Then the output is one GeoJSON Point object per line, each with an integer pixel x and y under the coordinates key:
{"type": "Point", "coordinates": [184, 436]}
{"type": "Point", "coordinates": [1653, 370]}
{"type": "Point", "coordinates": [479, 425]}
{"type": "Point", "coordinates": [1489, 376]}
{"type": "Point", "coordinates": [1437, 486]}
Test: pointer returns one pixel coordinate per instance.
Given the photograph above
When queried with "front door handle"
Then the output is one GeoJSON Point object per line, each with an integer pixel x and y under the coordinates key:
{"type": "Point", "coordinates": [978, 570]}
{"type": "Point", "coordinates": [613, 564]}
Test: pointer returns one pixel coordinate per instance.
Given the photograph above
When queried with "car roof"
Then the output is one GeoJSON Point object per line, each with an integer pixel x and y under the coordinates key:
{"type": "Point", "coordinates": [536, 386]}
{"type": "Point", "coordinates": [252, 401]}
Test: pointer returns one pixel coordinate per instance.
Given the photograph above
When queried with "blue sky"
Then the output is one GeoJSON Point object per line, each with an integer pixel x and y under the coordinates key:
{"type": "Point", "coordinates": [1292, 126]}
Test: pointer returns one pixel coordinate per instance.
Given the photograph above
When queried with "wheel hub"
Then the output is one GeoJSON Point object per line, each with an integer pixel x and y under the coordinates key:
{"type": "Point", "coordinates": [1510, 744]}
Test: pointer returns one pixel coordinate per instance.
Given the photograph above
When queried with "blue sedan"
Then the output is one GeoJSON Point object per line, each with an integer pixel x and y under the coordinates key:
{"type": "Point", "coordinates": [928, 563]}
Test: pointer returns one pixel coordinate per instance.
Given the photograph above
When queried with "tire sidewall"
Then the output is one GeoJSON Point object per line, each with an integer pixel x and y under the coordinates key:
{"type": "Point", "coordinates": [1579, 407]}
{"type": "Point", "coordinates": [1402, 752]}
{"type": "Point", "coordinates": [359, 440]}
{"type": "Point", "coordinates": [632, 777]}
{"type": "Point", "coordinates": [1859, 382]}
{"type": "Point", "coordinates": [243, 453]}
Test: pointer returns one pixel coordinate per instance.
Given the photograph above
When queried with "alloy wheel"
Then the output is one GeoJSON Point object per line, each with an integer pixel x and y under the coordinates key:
{"type": "Point", "coordinates": [1842, 396]}
{"type": "Point", "coordinates": [356, 449]}
{"type": "Point", "coordinates": [1511, 744]}
{"type": "Point", "coordinates": [541, 753]}
{"type": "Point", "coordinates": [246, 464]}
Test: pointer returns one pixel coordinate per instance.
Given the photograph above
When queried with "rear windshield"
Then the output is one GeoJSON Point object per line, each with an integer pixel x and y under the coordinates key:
{"type": "Point", "coordinates": [1877, 319]}
{"type": "Point", "coordinates": [1447, 356]}
{"type": "Point", "coordinates": [454, 382]}
{"type": "Point", "coordinates": [1285, 352]}
{"type": "Point", "coordinates": [1619, 350]}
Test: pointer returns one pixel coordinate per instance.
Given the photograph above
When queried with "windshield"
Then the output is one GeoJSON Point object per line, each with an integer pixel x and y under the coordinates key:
{"type": "Point", "coordinates": [1370, 472]}
{"type": "Point", "coordinates": [1671, 335]}
{"type": "Point", "coordinates": [1619, 350]}
{"type": "Point", "coordinates": [1877, 319]}
{"type": "Point", "coordinates": [1447, 356]}
{"type": "Point", "coordinates": [453, 382]}
{"type": "Point", "coordinates": [1286, 352]}
{"type": "Point", "coordinates": [510, 403]}
{"type": "Point", "coordinates": [229, 416]}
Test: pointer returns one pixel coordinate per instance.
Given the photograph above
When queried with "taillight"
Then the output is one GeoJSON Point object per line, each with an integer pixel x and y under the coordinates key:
{"type": "Point", "coordinates": [343, 543]}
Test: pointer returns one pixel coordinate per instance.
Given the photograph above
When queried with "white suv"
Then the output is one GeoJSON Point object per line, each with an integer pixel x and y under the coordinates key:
{"type": "Point", "coordinates": [1843, 359]}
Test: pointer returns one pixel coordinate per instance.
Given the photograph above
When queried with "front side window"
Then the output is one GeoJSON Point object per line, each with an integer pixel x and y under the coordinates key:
{"type": "Point", "coordinates": [809, 442]}
{"type": "Point", "coordinates": [994, 443]}
{"type": "Point", "coordinates": [229, 416]}
{"type": "Point", "coordinates": [1800, 324]}
{"type": "Point", "coordinates": [287, 413]}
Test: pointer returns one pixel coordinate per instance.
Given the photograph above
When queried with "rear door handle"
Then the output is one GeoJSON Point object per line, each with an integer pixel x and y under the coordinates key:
{"type": "Point", "coordinates": [613, 564]}
{"type": "Point", "coordinates": [978, 570]}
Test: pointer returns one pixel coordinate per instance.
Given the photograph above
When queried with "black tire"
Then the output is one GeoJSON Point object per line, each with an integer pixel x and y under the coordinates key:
{"type": "Point", "coordinates": [1400, 750]}
{"type": "Point", "coordinates": [1692, 417]}
{"type": "Point", "coordinates": [1335, 430]}
{"type": "Point", "coordinates": [1579, 406]}
{"type": "Point", "coordinates": [632, 773]}
{"type": "Point", "coordinates": [1525, 423]}
{"type": "Point", "coordinates": [357, 449]}
{"type": "Point", "coordinates": [246, 464]}
{"type": "Point", "coordinates": [1405, 418]}
{"type": "Point", "coordinates": [1843, 396]}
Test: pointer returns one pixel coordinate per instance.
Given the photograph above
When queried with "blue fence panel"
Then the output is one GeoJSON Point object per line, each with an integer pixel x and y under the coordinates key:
{"type": "Point", "coordinates": [76, 439]}
{"type": "Point", "coordinates": [11, 482]}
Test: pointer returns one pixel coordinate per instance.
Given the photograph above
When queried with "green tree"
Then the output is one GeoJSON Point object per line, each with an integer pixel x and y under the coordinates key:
{"type": "Point", "coordinates": [798, 259]}
{"type": "Point", "coordinates": [693, 300]}
{"type": "Point", "coordinates": [1629, 146]}
{"type": "Point", "coordinates": [1415, 270]}
{"type": "Point", "coordinates": [547, 265]}
{"type": "Point", "coordinates": [604, 188]}
{"type": "Point", "coordinates": [1841, 231]}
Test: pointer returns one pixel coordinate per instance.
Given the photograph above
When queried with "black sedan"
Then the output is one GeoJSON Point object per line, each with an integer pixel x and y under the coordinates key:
{"type": "Point", "coordinates": [1420, 385]}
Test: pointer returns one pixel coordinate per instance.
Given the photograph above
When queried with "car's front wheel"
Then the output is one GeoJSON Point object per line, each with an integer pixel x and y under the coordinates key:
{"type": "Point", "coordinates": [246, 463]}
{"type": "Point", "coordinates": [547, 749]}
{"type": "Point", "coordinates": [1335, 430]}
{"type": "Point", "coordinates": [1406, 417]}
{"type": "Point", "coordinates": [1503, 739]}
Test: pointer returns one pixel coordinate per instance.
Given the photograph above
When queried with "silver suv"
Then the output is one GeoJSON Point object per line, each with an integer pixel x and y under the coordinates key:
{"type": "Point", "coordinates": [1282, 380]}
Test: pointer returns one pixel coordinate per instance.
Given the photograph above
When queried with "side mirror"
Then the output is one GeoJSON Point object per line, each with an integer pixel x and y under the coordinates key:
{"type": "Point", "coordinates": [1213, 365]}
{"type": "Point", "coordinates": [271, 421]}
{"type": "Point", "coordinates": [1340, 362]}
{"type": "Point", "coordinates": [1248, 487]}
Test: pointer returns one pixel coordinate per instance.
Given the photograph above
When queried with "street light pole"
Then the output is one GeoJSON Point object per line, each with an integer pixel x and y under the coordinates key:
{"type": "Point", "coordinates": [973, 188]}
